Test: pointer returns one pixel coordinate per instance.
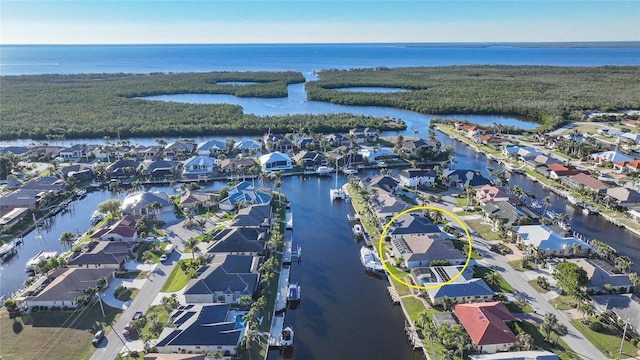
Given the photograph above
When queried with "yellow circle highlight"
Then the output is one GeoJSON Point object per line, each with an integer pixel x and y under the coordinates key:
{"type": "Point", "coordinates": [386, 266]}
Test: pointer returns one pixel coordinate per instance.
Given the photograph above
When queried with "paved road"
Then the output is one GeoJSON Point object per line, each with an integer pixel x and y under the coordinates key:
{"type": "Point", "coordinates": [115, 342]}
{"type": "Point", "coordinates": [518, 280]}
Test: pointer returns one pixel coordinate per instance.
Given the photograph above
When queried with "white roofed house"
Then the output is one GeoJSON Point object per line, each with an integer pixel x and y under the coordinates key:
{"type": "Point", "coordinates": [385, 206]}
{"type": "Point", "coordinates": [417, 177]}
{"type": "Point", "coordinates": [550, 242]}
{"type": "Point", "coordinates": [275, 161]}
{"type": "Point", "coordinates": [210, 147]}
{"type": "Point", "coordinates": [155, 203]}
{"type": "Point", "coordinates": [197, 166]}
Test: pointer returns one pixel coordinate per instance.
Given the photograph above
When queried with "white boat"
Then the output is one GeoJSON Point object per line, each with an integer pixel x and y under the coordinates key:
{"type": "Point", "coordinates": [370, 260]}
{"type": "Point", "coordinates": [572, 199]}
{"type": "Point", "coordinates": [95, 184]}
{"type": "Point", "coordinates": [288, 220]}
{"type": "Point", "coordinates": [324, 170]}
{"type": "Point", "coordinates": [337, 192]}
{"type": "Point", "coordinates": [287, 337]}
{"type": "Point", "coordinates": [551, 214]}
{"type": "Point", "coordinates": [294, 293]}
{"type": "Point", "coordinates": [81, 192]}
{"type": "Point", "coordinates": [97, 216]}
{"type": "Point", "coordinates": [357, 230]}
{"type": "Point", "coordinates": [7, 250]}
{"type": "Point", "coordinates": [42, 255]}
{"type": "Point", "coordinates": [349, 171]}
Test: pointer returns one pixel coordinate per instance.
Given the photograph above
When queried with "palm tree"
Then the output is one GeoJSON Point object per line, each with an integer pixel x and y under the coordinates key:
{"type": "Point", "coordinates": [546, 202]}
{"type": "Point", "coordinates": [586, 309]}
{"type": "Point", "coordinates": [635, 279]}
{"type": "Point", "coordinates": [192, 243]}
{"type": "Point", "coordinates": [624, 263]}
{"type": "Point", "coordinates": [561, 330]}
{"type": "Point", "coordinates": [550, 321]}
{"type": "Point", "coordinates": [492, 278]}
{"type": "Point", "coordinates": [66, 239]}
{"type": "Point", "coordinates": [524, 342]}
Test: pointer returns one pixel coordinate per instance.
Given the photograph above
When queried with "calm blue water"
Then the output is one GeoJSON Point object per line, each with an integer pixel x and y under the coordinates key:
{"type": "Point", "coordinates": [66, 59]}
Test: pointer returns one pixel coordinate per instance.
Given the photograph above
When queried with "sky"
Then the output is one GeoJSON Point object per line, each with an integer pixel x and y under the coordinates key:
{"type": "Point", "coordinates": [312, 21]}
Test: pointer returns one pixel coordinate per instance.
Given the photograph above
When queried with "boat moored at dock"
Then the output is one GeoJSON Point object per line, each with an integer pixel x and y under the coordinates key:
{"type": "Point", "coordinates": [370, 260]}
{"type": "Point", "coordinates": [42, 255]}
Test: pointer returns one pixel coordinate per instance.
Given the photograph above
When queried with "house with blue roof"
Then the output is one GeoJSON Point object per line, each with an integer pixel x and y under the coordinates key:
{"type": "Point", "coordinates": [210, 147]}
{"type": "Point", "coordinates": [551, 242]}
{"type": "Point", "coordinates": [200, 329]}
{"type": "Point", "coordinates": [226, 280]}
{"type": "Point", "coordinates": [275, 161]}
{"type": "Point", "coordinates": [463, 289]}
{"type": "Point", "coordinates": [198, 165]}
{"type": "Point", "coordinates": [248, 146]}
{"type": "Point", "coordinates": [244, 193]}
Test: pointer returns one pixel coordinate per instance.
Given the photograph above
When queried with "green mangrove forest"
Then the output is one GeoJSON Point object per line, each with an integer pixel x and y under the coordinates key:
{"type": "Point", "coordinates": [551, 95]}
{"type": "Point", "coordinates": [97, 105]}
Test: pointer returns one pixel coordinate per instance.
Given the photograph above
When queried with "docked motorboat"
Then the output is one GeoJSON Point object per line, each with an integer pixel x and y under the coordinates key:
{"type": "Point", "coordinates": [370, 260]}
{"type": "Point", "coordinates": [97, 216]}
{"type": "Point", "coordinates": [81, 192]}
{"type": "Point", "coordinates": [512, 169]}
{"type": "Point", "coordinates": [42, 255]}
{"type": "Point", "coordinates": [294, 293]}
{"type": "Point", "coordinates": [95, 184]}
{"type": "Point", "coordinates": [324, 170]}
{"type": "Point", "coordinates": [349, 171]}
{"type": "Point", "coordinates": [7, 250]}
{"type": "Point", "coordinates": [357, 230]}
{"type": "Point", "coordinates": [287, 337]}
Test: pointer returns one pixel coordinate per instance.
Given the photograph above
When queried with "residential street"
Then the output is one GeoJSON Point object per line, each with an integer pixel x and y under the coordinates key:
{"type": "Point", "coordinates": [518, 280]}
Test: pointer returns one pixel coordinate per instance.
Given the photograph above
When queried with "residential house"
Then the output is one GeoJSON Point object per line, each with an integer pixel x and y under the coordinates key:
{"type": "Point", "coordinates": [624, 196]}
{"type": "Point", "coordinates": [630, 137]}
{"type": "Point", "coordinates": [307, 143]}
{"type": "Point", "coordinates": [372, 155]}
{"type": "Point", "coordinates": [275, 161]}
{"type": "Point", "coordinates": [12, 217]}
{"type": "Point", "coordinates": [558, 170]}
{"type": "Point", "coordinates": [210, 148]}
{"type": "Point", "coordinates": [385, 183]}
{"type": "Point", "coordinates": [624, 307]}
{"type": "Point", "coordinates": [238, 240]}
{"type": "Point", "coordinates": [462, 178]}
{"type": "Point", "coordinates": [226, 279]}
{"type": "Point", "coordinates": [336, 139]}
{"type": "Point", "coordinates": [277, 143]}
{"type": "Point", "coordinates": [415, 148]}
{"type": "Point", "coordinates": [550, 242]}
{"type": "Point", "coordinates": [236, 164]}
{"type": "Point", "coordinates": [122, 230]}
{"type": "Point", "coordinates": [74, 152]}
{"type": "Point", "coordinates": [624, 166]}
{"type": "Point", "coordinates": [248, 146]}
{"type": "Point", "coordinates": [509, 214]}
{"type": "Point", "coordinates": [584, 181]}
{"type": "Point", "coordinates": [386, 206]}
{"type": "Point", "coordinates": [469, 130]}
{"type": "Point", "coordinates": [63, 286]}
{"type": "Point", "coordinates": [463, 288]}
{"type": "Point", "coordinates": [487, 325]}
{"type": "Point", "coordinates": [179, 150]}
{"type": "Point", "coordinates": [491, 194]}
{"type": "Point", "coordinates": [601, 276]}
{"type": "Point", "coordinates": [198, 166]}
{"type": "Point", "coordinates": [15, 150]}
{"type": "Point", "coordinates": [257, 215]}
{"type": "Point", "coordinates": [160, 169]}
{"type": "Point", "coordinates": [100, 254]}
{"type": "Point", "coordinates": [146, 151]}
{"type": "Point", "coordinates": [417, 177]}
{"type": "Point", "coordinates": [145, 203]}
{"type": "Point", "coordinates": [201, 329]}
{"type": "Point", "coordinates": [492, 140]}
{"type": "Point", "coordinates": [310, 159]}
{"type": "Point", "coordinates": [45, 183]}
{"type": "Point", "coordinates": [43, 152]}
{"type": "Point", "coordinates": [157, 356]}
{"type": "Point", "coordinates": [123, 168]}
{"type": "Point", "coordinates": [77, 172]}
{"type": "Point", "coordinates": [23, 198]}
{"type": "Point", "coordinates": [413, 223]}
{"type": "Point", "coordinates": [421, 250]}
{"type": "Point", "coordinates": [192, 199]}
{"type": "Point", "coordinates": [612, 156]}
{"type": "Point", "coordinates": [364, 135]}
{"type": "Point", "coordinates": [244, 194]}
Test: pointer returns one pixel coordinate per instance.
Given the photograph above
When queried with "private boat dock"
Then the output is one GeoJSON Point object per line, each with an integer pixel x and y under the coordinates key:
{"type": "Point", "coordinates": [283, 290]}
{"type": "Point", "coordinates": [275, 334]}
{"type": "Point", "coordinates": [412, 335]}
{"type": "Point", "coordinates": [393, 295]}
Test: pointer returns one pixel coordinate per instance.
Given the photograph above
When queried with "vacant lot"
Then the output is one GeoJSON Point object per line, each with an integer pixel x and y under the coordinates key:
{"type": "Point", "coordinates": [53, 335]}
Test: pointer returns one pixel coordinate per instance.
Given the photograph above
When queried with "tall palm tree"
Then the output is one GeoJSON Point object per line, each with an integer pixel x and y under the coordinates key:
{"type": "Point", "coordinates": [561, 330]}
{"type": "Point", "coordinates": [546, 202]}
{"type": "Point", "coordinates": [66, 239]}
{"type": "Point", "coordinates": [192, 243]}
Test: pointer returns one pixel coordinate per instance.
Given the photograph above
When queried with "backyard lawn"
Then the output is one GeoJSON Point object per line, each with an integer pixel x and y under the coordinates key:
{"type": "Point", "coordinates": [607, 341]}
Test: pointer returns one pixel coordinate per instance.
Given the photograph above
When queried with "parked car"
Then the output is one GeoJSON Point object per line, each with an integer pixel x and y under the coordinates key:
{"type": "Point", "coordinates": [137, 315]}
{"type": "Point", "coordinates": [163, 258]}
{"type": "Point", "coordinates": [97, 338]}
{"type": "Point", "coordinates": [127, 329]}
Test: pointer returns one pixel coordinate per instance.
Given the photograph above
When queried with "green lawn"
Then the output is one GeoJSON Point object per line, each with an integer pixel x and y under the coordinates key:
{"type": "Point", "coordinates": [564, 302]}
{"type": "Point", "coordinates": [608, 341]}
{"type": "Point", "coordinates": [414, 307]}
{"type": "Point", "coordinates": [534, 284]}
{"type": "Point", "coordinates": [133, 275]}
{"type": "Point", "coordinates": [483, 229]}
{"type": "Point", "coordinates": [519, 308]}
{"type": "Point", "coordinates": [53, 334]}
{"type": "Point", "coordinates": [402, 289]}
{"type": "Point", "coordinates": [460, 246]}
{"type": "Point", "coordinates": [501, 286]}
{"type": "Point", "coordinates": [176, 280]}
{"type": "Point", "coordinates": [516, 264]}
{"type": "Point", "coordinates": [128, 294]}
{"type": "Point", "coordinates": [563, 351]}
{"type": "Point", "coordinates": [462, 201]}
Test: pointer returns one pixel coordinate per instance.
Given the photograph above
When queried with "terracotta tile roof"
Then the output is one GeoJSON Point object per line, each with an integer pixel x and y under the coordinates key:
{"type": "Point", "coordinates": [485, 322]}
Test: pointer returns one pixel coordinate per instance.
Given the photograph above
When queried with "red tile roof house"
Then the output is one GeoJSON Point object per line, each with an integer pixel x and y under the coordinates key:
{"type": "Point", "coordinates": [122, 230]}
{"type": "Point", "coordinates": [557, 171]}
{"type": "Point", "coordinates": [622, 166]}
{"type": "Point", "coordinates": [470, 130]}
{"type": "Point", "coordinates": [486, 324]}
{"type": "Point", "coordinates": [488, 194]}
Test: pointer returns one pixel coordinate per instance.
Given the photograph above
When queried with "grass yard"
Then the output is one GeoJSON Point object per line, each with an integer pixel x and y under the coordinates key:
{"type": "Point", "coordinates": [461, 201]}
{"type": "Point", "coordinates": [607, 341]}
{"type": "Point", "coordinates": [133, 275]}
{"type": "Point", "coordinates": [563, 351]}
{"type": "Point", "coordinates": [515, 307]}
{"type": "Point", "coordinates": [534, 284]}
{"type": "Point", "coordinates": [501, 286]}
{"type": "Point", "coordinates": [176, 280]}
{"type": "Point", "coordinates": [460, 245]}
{"type": "Point", "coordinates": [402, 288]}
{"type": "Point", "coordinates": [53, 335]}
{"type": "Point", "coordinates": [128, 294]}
{"type": "Point", "coordinates": [564, 302]}
{"type": "Point", "coordinates": [483, 229]}
{"type": "Point", "coordinates": [516, 264]}
{"type": "Point", "coordinates": [414, 308]}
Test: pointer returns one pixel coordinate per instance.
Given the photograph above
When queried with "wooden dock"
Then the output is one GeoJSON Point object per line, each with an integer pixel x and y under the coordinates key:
{"type": "Point", "coordinates": [275, 334]}
{"type": "Point", "coordinates": [283, 290]}
{"type": "Point", "coordinates": [287, 253]}
{"type": "Point", "coordinates": [412, 335]}
{"type": "Point", "coordinates": [393, 294]}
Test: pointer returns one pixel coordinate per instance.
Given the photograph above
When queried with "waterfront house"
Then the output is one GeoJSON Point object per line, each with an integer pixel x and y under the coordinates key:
{"type": "Point", "coordinates": [584, 181]}
{"type": "Point", "coordinates": [192, 199]}
{"type": "Point", "coordinates": [414, 223]}
{"type": "Point", "coordinates": [558, 170]}
{"type": "Point", "coordinates": [372, 155]}
{"type": "Point", "coordinates": [421, 250]}
{"type": "Point", "coordinates": [462, 290]}
{"type": "Point", "coordinates": [210, 148]}
{"type": "Point", "coordinates": [200, 329]}
{"type": "Point", "coordinates": [12, 217]}
{"type": "Point", "coordinates": [146, 152]}
{"type": "Point", "coordinates": [198, 166]}
{"type": "Point", "coordinates": [386, 206]}
{"type": "Point", "coordinates": [160, 169]}
{"type": "Point", "coordinates": [630, 137]}
{"type": "Point", "coordinates": [248, 146]}
{"type": "Point", "coordinates": [122, 230]}
{"type": "Point", "coordinates": [336, 139]}
{"type": "Point", "coordinates": [277, 143]}
{"type": "Point", "coordinates": [275, 161]}
{"type": "Point", "coordinates": [236, 164]}
{"type": "Point", "coordinates": [225, 280]}
{"type": "Point", "coordinates": [624, 196]}
{"type": "Point", "coordinates": [23, 199]}
{"type": "Point", "coordinates": [306, 143]}
{"type": "Point", "coordinates": [74, 152]}
{"type": "Point", "coordinates": [509, 214]}
{"type": "Point", "coordinates": [417, 177]}
{"type": "Point", "coordinates": [310, 159]}
{"type": "Point", "coordinates": [77, 172]}
{"type": "Point", "coordinates": [146, 203]}
{"type": "Point", "coordinates": [491, 194]}
{"type": "Point", "coordinates": [487, 325]}
{"type": "Point", "coordinates": [625, 166]}
{"type": "Point", "coordinates": [364, 135]}
{"type": "Point", "coordinates": [244, 194]}
{"type": "Point", "coordinates": [415, 148]}
{"type": "Point", "coordinates": [102, 254]}
{"type": "Point", "coordinates": [516, 355]}
{"type": "Point", "coordinates": [122, 168]}
{"type": "Point", "coordinates": [469, 130]}
{"type": "Point", "coordinates": [62, 286]}
{"type": "Point", "coordinates": [45, 184]}
{"type": "Point", "coordinates": [461, 178]}
{"type": "Point", "coordinates": [238, 240]}
{"type": "Point", "coordinates": [15, 150]}
{"type": "Point", "coordinates": [601, 274]}
{"type": "Point", "coordinates": [377, 183]}
{"type": "Point", "coordinates": [612, 156]}
{"type": "Point", "coordinates": [623, 307]}
{"type": "Point", "coordinates": [179, 150]}
{"type": "Point", "coordinates": [257, 215]}
{"type": "Point", "coordinates": [550, 242]}
{"type": "Point", "coordinates": [43, 152]}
